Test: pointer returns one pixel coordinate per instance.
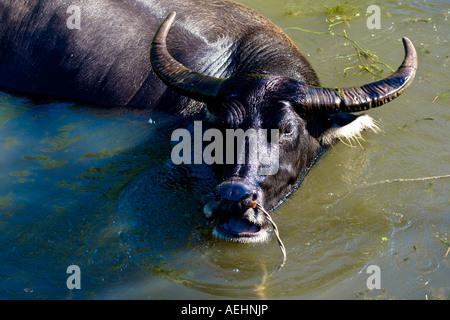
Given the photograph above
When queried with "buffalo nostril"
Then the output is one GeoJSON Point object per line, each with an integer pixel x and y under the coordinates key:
{"type": "Point", "coordinates": [233, 192]}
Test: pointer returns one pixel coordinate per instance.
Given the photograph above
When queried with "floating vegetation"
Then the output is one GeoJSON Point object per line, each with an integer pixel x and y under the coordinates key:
{"type": "Point", "coordinates": [448, 244]}
{"type": "Point", "coordinates": [54, 164]}
{"type": "Point", "coordinates": [61, 141]}
{"type": "Point", "coordinates": [39, 116]}
{"type": "Point", "coordinates": [59, 209]}
{"type": "Point", "coordinates": [412, 125]}
{"type": "Point", "coordinates": [292, 9]}
{"type": "Point", "coordinates": [370, 56]}
{"type": "Point", "coordinates": [96, 174]}
{"type": "Point", "coordinates": [366, 295]}
{"type": "Point", "coordinates": [21, 174]}
{"type": "Point", "coordinates": [69, 185]}
{"type": "Point", "coordinates": [103, 154]}
{"type": "Point", "coordinates": [414, 20]}
{"type": "Point", "coordinates": [38, 157]}
{"type": "Point", "coordinates": [9, 112]}
{"type": "Point", "coordinates": [72, 126]}
{"type": "Point", "coordinates": [441, 96]}
{"type": "Point", "coordinates": [368, 60]}
{"type": "Point", "coordinates": [10, 142]}
{"type": "Point", "coordinates": [340, 9]}
{"type": "Point", "coordinates": [48, 163]}
{"type": "Point", "coordinates": [7, 200]}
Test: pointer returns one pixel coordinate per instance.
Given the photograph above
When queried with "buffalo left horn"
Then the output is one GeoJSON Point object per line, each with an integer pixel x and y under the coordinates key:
{"type": "Point", "coordinates": [371, 95]}
{"type": "Point", "coordinates": [186, 82]}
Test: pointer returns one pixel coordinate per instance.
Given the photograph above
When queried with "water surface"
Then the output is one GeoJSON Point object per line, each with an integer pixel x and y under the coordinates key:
{"type": "Point", "coordinates": [91, 187]}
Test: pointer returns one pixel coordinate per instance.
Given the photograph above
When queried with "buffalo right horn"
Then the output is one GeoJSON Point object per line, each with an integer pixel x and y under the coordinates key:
{"type": "Point", "coordinates": [334, 100]}
{"type": "Point", "coordinates": [186, 82]}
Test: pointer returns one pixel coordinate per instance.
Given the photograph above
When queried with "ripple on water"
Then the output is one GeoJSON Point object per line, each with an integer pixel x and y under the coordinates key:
{"type": "Point", "coordinates": [417, 260]}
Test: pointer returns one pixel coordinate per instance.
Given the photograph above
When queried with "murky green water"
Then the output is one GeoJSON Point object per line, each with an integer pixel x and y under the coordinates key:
{"type": "Point", "coordinates": [89, 187]}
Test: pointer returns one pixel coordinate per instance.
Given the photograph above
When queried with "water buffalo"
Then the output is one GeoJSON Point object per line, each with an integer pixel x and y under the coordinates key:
{"type": "Point", "coordinates": [215, 61]}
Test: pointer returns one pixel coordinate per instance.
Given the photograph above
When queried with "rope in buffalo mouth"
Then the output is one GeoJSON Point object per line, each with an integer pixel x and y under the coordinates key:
{"type": "Point", "coordinates": [252, 204]}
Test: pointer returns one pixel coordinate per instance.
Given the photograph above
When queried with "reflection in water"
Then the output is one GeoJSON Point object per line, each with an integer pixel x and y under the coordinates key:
{"type": "Point", "coordinates": [63, 167]}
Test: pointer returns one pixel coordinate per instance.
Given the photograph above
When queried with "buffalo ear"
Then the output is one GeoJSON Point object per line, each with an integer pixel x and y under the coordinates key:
{"type": "Point", "coordinates": [347, 127]}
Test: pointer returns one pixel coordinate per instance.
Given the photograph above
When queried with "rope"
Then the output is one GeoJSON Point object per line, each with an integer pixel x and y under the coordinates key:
{"type": "Point", "coordinates": [252, 204]}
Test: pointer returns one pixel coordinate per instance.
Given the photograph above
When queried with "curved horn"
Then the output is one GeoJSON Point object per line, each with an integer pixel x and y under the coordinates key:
{"type": "Point", "coordinates": [368, 96]}
{"type": "Point", "coordinates": [176, 76]}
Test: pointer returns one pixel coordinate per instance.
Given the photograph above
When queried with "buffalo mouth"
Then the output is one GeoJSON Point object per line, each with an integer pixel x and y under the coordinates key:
{"type": "Point", "coordinates": [241, 229]}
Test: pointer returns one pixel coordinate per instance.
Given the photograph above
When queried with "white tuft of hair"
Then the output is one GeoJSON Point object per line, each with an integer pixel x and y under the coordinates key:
{"type": "Point", "coordinates": [350, 132]}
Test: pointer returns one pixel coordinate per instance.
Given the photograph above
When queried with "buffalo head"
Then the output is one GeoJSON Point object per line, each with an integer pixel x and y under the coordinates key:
{"type": "Point", "coordinates": [306, 118]}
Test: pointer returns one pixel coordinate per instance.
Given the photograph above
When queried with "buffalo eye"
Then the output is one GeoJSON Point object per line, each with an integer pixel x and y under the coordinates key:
{"type": "Point", "coordinates": [287, 124]}
{"type": "Point", "coordinates": [287, 130]}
